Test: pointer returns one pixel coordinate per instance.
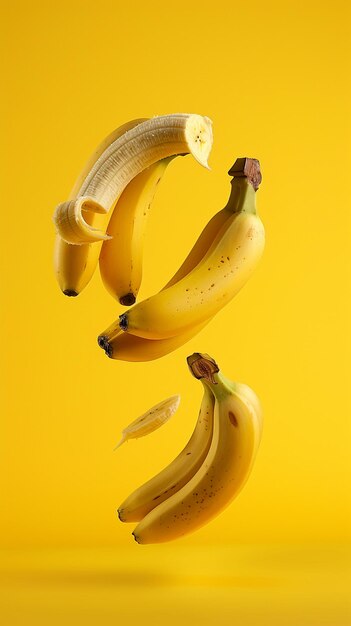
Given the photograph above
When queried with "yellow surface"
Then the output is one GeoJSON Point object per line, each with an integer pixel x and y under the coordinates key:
{"type": "Point", "coordinates": [274, 79]}
{"type": "Point", "coordinates": [250, 585]}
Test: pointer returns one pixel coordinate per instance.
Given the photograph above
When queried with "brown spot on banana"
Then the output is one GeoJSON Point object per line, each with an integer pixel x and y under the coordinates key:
{"type": "Point", "coordinates": [233, 419]}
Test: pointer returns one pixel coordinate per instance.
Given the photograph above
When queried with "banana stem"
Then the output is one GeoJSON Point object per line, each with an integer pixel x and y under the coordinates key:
{"type": "Point", "coordinates": [249, 169]}
{"type": "Point", "coordinates": [202, 366]}
{"type": "Point", "coordinates": [246, 180]}
{"type": "Point", "coordinates": [205, 368]}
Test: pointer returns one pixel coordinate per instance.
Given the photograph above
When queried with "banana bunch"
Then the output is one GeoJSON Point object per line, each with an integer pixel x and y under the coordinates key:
{"type": "Point", "coordinates": [121, 178]}
{"type": "Point", "coordinates": [220, 263]}
{"type": "Point", "coordinates": [212, 468]}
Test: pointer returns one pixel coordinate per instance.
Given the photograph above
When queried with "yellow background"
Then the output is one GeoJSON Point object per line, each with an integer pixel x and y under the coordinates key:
{"type": "Point", "coordinates": [274, 78]}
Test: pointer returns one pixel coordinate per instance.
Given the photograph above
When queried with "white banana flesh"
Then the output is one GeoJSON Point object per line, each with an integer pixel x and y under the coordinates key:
{"type": "Point", "coordinates": [125, 158]}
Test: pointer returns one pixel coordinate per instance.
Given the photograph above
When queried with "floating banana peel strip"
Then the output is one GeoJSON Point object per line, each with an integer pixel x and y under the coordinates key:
{"type": "Point", "coordinates": [151, 420]}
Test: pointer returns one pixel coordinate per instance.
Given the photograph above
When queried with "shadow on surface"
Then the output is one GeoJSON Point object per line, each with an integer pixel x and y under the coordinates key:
{"type": "Point", "coordinates": [88, 578]}
{"type": "Point", "coordinates": [115, 578]}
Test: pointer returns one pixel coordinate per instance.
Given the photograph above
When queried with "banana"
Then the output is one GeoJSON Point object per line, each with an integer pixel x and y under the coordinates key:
{"type": "Point", "coordinates": [236, 437]}
{"type": "Point", "coordinates": [125, 158]}
{"type": "Point", "coordinates": [121, 256]}
{"type": "Point", "coordinates": [128, 347]}
{"type": "Point", "coordinates": [214, 281]}
{"type": "Point", "coordinates": [75, 265]}
{"type": "Point", "coordinates": [176, 474]}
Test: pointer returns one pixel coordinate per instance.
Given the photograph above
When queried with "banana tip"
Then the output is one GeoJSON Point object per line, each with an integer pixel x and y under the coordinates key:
{"type": "Point", "coordinates": [123, 321]}
{"type": "Point", "coordinates": [102, 341]}
{"type": "Point", "coordinates": [136, 537]}
{"type": "Point", "coordinates": [128, 299]}
{"type": "Point", "coordinates": [70, 293]}
{"type": "Point", "coordinates": [105, 345]}
{"type": "Point", "coordinates": [202, 162]}
{"type": "Point", "coordinates": [108, 350]}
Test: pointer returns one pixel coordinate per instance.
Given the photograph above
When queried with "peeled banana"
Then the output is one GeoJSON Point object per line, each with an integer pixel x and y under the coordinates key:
{"type": "Point", "coordinates": [125, 158]}
{"type": "Point", "coordinates": [75, 265]}
{"type": "Point", "coordinates": [237, 427]}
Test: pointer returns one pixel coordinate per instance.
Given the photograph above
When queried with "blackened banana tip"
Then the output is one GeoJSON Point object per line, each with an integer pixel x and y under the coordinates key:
{"type": "Point", "coordinates": [123, 321]}
{"type": "Point", "coordinates": [102, 341]}
{"type": "Point", "coordinates": [70, 293]}
{"type": "Point", "coordinates": [128, 299]}
{"type": "Point", "coordinates": [108, 350]}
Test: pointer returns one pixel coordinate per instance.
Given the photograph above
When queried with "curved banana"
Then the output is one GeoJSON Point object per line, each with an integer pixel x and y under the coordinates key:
{"type": "Point", "coordinates": [128, 347]}
{"type": "Point", "coordinates": [176, 474]}
{"type": "Point", "coordinates": [225, 470]}
{"type": "Point", "coordinates": [121, 256]}
{"type": "Point", "coordinates": [75, 265]}
{"type": "Point", "coordinates": [124, 159]}
{"type": "Point", "coordinates": [214, 281]}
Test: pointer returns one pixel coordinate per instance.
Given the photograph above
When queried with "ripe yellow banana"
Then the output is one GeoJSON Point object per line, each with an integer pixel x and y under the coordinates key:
{"type": "Point", "coordinates": [217, 279]}
{"type": "Point", "coordinates": [236, 436]}
{"type": "Point", "coordinates": [75, 265]}
{"type": "Point", "coordinates": [129, 347]}
{"type": "Point", "coordinates": [125, 158]}
{"type": "Point", "coordinates": [121, 256]}
{"type": "Point", "coordinates": [176, 474]}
